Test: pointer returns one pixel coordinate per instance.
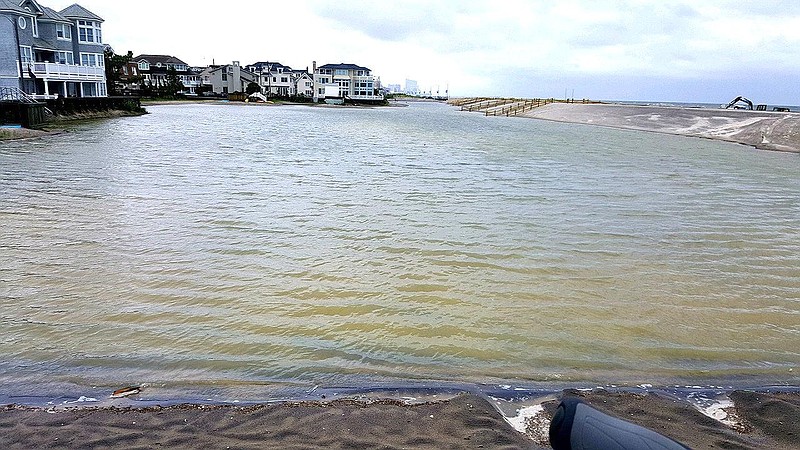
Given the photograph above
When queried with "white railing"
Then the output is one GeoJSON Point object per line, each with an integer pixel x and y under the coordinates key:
{"type": "Point", "coordinates": [16, 95]}
{"type": "Point", "coordinates": [66, 71]}
{"type": "Point", "coordinates": [366, 97]}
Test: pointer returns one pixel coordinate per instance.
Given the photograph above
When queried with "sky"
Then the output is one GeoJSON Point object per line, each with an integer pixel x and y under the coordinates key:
{"type": "Point", "coordinates": [639, 50]}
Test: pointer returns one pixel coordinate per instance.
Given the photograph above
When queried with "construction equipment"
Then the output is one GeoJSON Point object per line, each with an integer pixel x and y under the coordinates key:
{"type": "Point", "coordinates": [733, 103]}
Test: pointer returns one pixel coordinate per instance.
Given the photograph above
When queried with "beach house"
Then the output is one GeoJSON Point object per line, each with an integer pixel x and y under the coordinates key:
{"type": "Point", "coordinates": [279, 80]}
{"type": "Point", "coordinates": [228, 79]}
{"type": "Point", "coordinates": [154, 70]}
{"type": "Point", "coordinates": [346, 82]}
{"type": "Point", "coordinates": [46, 53]}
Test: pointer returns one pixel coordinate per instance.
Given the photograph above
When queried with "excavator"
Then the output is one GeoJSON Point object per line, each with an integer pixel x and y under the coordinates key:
{"type": "Point", "coordinates": [733, 103]}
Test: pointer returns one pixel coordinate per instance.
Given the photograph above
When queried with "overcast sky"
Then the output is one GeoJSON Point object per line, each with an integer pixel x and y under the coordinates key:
{"type": "Point", "coordinates": [660, 50]}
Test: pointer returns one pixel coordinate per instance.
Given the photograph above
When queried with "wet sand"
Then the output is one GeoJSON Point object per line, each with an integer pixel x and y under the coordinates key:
{"type": "Point", "coordinates": [764, 130]}
{"type": "Point", "coordinates": [758, 420]}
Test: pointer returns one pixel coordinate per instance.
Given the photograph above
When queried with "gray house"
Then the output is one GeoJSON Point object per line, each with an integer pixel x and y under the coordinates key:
{"type": "Point", "coordinates": [48, 53]}
{"type": "Point", "coordinates": [228, 79]}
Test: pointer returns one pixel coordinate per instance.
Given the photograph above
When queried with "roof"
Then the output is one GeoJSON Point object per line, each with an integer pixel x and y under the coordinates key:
{"type": "Point", "coordinates": [51, 14]}
{"type": "Point", "coordinates": [155, 59]}
{"type": "Point", "coordinates": [44, 44]}
{"type": "Point", "coordinates": [273, 65]}
{"type": "Point", "coordinates": [11, 5]}
{"type": "Point", "coordinates": [342, 66]}
{"type": "Point", "coordinates": [77, 11]}
{"type": "Point", "coordinates": [27, 4]}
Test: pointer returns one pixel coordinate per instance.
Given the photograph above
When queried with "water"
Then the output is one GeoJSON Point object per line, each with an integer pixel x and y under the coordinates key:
{"type": "Point", "coordinates": [233, 245]}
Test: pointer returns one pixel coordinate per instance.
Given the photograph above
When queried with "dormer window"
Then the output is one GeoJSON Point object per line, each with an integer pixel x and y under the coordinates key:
{"type": "Point", "coordinates": [158, 64]}
{"type": "Point", "coordinates": [144, 65]}
{"type": "Point", "coordinates": [89, 32]}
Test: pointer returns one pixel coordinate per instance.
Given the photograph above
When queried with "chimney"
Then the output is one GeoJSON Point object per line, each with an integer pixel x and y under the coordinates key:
{"type": "Point", "coordinates": [314, 65]}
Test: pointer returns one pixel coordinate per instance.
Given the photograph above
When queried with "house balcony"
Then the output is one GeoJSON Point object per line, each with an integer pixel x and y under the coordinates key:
{"type": "Point", "coordinates": [65, 72]}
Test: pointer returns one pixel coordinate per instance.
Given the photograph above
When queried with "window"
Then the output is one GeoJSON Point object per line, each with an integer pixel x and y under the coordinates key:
{"type": "Point", "coordinates": [89, 32]}
{"type": "Point", "coordinates": [224, 76]}
{"type": "Point", "coordinates": [284, 80]}
{"type": "Point", "coordinates": [64, 31]}
{"type": "Point", "coordinates": [22, 23]}
{"type": "Point", "coordinates": [64, 58]}
{"type": "Point", "coordinates": [92, 59]}
{"type": "Point", "coordinates": [144, 65]}
{"type": "Point", "coordinates": [35, 27]}
{"type": "Point", "coordinates": [89, 89]}
{"type": "Point", "coordinates": [26, 53]}
{"type": "Point", "coordinates": [341, 72]}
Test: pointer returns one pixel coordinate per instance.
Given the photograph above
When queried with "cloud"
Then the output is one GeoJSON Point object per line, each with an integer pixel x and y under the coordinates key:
{"type": "Point", "coordinates": [485, 47]}
{"type": "Point", "coordinates": [392, 22]}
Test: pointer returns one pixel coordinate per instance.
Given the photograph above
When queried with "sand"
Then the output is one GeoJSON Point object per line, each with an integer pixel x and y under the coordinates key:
{"type": "Point", "coordinates": [764, 130]}
{"type": "Point", "coordinates": [757, 420]}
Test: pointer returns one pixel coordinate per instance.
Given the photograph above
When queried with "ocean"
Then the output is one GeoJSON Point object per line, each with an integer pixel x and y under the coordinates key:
{"type": "Point", "coordinates": [221, 250]}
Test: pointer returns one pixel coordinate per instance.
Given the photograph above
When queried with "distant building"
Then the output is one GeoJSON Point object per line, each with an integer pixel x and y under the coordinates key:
{"type": "Point", "coordinates": [394, 88]}
{"type": "Point", "coordinates": [228, 79]}
{"type": "Point", "coordinates": [276, 79]}
{"type": "Point", "coordinates": [46, 53]}
{"type": "Point", "coordinates": [154, 70]}
{"type": "Point", "coordinates": [346, 82]}
{"type": "Point", "coordinates": [411, 87]}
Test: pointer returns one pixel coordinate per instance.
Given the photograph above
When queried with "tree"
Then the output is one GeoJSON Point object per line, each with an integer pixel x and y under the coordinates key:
{"type": "Point", "coordinates": [252, 87]}
{"type": "Point", "coordinates": [116, 70]}
{"type": "Point", "coordinates": [174, 83]}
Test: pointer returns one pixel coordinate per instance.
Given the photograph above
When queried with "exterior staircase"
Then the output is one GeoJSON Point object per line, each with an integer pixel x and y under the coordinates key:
{"type": "Point", "coordinates": [14, 94]}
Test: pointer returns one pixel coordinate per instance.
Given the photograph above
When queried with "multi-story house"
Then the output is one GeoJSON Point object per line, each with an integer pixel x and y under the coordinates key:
{"type": "Point", "coordinates": [343, 82]}
{"type": "Point", "coordinates": [154, 70]}
{"type": "Point", "coordinates": [228, 79]}
{"type": "Point", "coordinates": [47, 53]}
{"type": "Point", "coordinates": [303, 83]}
{"type": "Point", "coordinates": [276, 79]}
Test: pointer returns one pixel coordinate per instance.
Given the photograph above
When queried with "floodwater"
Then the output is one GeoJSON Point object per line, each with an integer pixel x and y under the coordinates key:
{"type": "Point", "coordinates": [249, 245]}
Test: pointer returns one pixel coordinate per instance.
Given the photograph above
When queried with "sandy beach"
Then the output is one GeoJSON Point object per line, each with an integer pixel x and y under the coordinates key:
{"type": "Point", "coordinates": [750, 420]}
{"type": "Point", "coordinates": [764, 130]}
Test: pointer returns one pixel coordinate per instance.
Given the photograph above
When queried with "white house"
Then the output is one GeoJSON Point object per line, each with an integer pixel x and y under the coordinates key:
{"type": "Point", "coordinates": [346, 82]}
{"type": "Point", "coordinates": [277, 79]}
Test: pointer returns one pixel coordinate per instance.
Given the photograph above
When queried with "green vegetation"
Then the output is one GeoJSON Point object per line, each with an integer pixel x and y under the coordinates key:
{"type": "Point", "coordinates": [115, 68]}
{"type": "Point", "coordinates": [252, 88]}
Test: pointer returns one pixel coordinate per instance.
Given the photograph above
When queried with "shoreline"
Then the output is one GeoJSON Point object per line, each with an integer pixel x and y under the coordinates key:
{"type": "Point", "coordinates": [764, 130]}
{"type": "Point", "coordinates": [59, 124]}
{"type": "Point", "coordinates": [768, 418]}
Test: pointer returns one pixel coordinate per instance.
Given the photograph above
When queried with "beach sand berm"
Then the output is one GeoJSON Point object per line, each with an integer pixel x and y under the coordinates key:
{"type": "Point", "coordinates": [765, 130]}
